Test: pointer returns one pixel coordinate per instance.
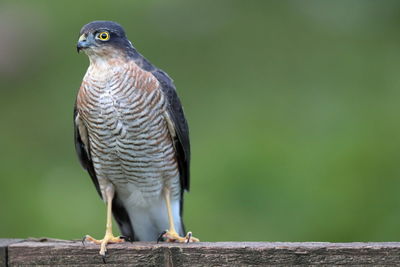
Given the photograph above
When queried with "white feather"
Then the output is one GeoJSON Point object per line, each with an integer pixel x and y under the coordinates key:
{"type": "Point", "coordinates": [149, 216]}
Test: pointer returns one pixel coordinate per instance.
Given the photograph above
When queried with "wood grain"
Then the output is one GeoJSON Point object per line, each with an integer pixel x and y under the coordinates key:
{"type": "Point", "coordinates": [61, 252]}
{"type": "Point", "coordinates": [4, 243]}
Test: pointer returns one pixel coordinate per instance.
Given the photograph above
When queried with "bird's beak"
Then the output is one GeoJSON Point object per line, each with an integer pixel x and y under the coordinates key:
{"type": "Point", "coordinates": [84, 41]}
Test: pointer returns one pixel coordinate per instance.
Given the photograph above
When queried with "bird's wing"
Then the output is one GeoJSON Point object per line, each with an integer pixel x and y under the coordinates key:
{"type": "Point", "coordinates": [178, 127]}
{"type": "Point", "coordinates": [82, 147]}
{"type": "Point", "coordinates": [177, 123]}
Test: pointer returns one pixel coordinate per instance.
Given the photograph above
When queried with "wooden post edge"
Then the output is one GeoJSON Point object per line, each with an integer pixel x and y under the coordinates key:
{"type": "Point", "coordinates": [4, 243]}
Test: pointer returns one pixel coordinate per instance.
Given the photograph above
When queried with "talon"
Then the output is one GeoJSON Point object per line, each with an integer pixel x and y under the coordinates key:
{"type": "Point", "coordinates": [172, 236]}
{"type": "Point", "coordinates": [103, 257]}
{"type": "Point", "coordinates": [103, 250]}
{"type": "Point", "coordinates": [126, 238]}
{"type": "Point", "coordinates": [83, 241]}
{"type": "Point", "coordinates": [161, 236]}
{"type": "Point", "coordinates": [108, 239]}
{"type": "Point", "coordinates": [188, 237]}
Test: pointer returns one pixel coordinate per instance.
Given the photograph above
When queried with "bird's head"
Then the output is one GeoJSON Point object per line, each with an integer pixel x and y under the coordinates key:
{"type": "Point", "coordinates": [103, 39]}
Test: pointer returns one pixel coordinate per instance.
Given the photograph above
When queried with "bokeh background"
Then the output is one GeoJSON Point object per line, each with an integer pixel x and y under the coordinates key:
{"type": "Point", "coordinates": [293, 109]}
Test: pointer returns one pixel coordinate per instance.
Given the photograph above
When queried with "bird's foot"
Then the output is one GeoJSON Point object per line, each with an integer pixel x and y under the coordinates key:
{"type": "Point", "coordinates": [109, 238]}
{"type": "Point", "coordinates": [172, 236]}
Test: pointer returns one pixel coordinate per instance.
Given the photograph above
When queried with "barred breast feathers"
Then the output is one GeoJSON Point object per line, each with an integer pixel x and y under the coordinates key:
{"type": "Point", "coordinates": [130, 132]}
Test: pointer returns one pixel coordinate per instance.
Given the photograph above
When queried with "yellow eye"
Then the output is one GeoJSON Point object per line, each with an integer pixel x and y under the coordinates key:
{"type": "Point", "coordinates": [104, 36]}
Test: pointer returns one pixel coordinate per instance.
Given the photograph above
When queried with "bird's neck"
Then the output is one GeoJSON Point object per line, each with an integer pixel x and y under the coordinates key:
{"type": "Point", "coordinates": [104, 66]}
{"type": "Point", "coordinates": [106, 63]}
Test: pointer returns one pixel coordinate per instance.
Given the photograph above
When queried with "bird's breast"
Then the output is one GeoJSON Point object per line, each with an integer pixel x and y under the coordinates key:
{"type": "Point", "coordinates": [128, 134]}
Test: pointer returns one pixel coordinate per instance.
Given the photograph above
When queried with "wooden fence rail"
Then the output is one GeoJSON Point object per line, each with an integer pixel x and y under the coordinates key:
{"type": "Point", "coordinates": [16, 252]}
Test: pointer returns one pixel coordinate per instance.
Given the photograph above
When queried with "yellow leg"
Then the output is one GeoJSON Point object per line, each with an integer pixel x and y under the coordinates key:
{"type": "Point", "coordinates": [171, 235]}
{"type": "Point", "coordinates": [108, 237]}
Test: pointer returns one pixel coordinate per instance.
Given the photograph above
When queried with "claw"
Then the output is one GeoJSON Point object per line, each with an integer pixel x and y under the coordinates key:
{"type": "Point", "coordinates": [188, 237]}
{"type": "Point", "coordinates": [126, 238]}
{"type": "Point", "coordinates": [108, 239]}
{"type": "Point", "coordinates": [83, 241]}
{"type": "Point", "coordinates": [103, 257]}
{"type": "Point", "coordinates": [161, 236]}
{"type": "Point", "coordinates": [172, 236]}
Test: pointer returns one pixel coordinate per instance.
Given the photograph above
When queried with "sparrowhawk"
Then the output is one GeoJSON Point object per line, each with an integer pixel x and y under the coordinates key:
{"type": "Point", "coordinates": [132, 137]}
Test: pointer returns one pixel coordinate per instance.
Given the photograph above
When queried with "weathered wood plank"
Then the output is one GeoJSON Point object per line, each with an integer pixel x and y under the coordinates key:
{"type": "Point", "coordinates": [204, 254]}
{"type": "Point", "coordinates": [4, 243]}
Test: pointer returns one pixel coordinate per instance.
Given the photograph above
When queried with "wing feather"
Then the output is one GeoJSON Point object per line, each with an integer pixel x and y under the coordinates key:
{"type": "Point", "coordinates": [178, 127]}
{"type": "Point", "coordinates": [83, 150]}
{"type": "Point", "coordinates": [175, 112]}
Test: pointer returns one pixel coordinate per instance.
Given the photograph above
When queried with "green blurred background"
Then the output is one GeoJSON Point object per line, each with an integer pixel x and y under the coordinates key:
{"type": "Point", "coordinates": [293, 108]}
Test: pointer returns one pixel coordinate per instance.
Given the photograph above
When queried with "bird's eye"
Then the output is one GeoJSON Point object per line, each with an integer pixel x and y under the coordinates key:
{"type": "Point", "coordinates": [104, 36]}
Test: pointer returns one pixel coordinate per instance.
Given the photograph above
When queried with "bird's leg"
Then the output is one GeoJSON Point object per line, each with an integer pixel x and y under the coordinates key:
{"type": "Point", "coordinates": [108, 237]}
{"type": "Point", "coordinates": [171, 235]}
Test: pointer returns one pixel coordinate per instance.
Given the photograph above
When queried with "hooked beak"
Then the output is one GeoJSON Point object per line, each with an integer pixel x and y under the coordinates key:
{"type": "Point", "coordinates": [84, 41]}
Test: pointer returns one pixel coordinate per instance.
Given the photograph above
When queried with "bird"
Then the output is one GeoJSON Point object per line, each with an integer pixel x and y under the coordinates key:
{"type": "Point", "coordinates": [132, 137]}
